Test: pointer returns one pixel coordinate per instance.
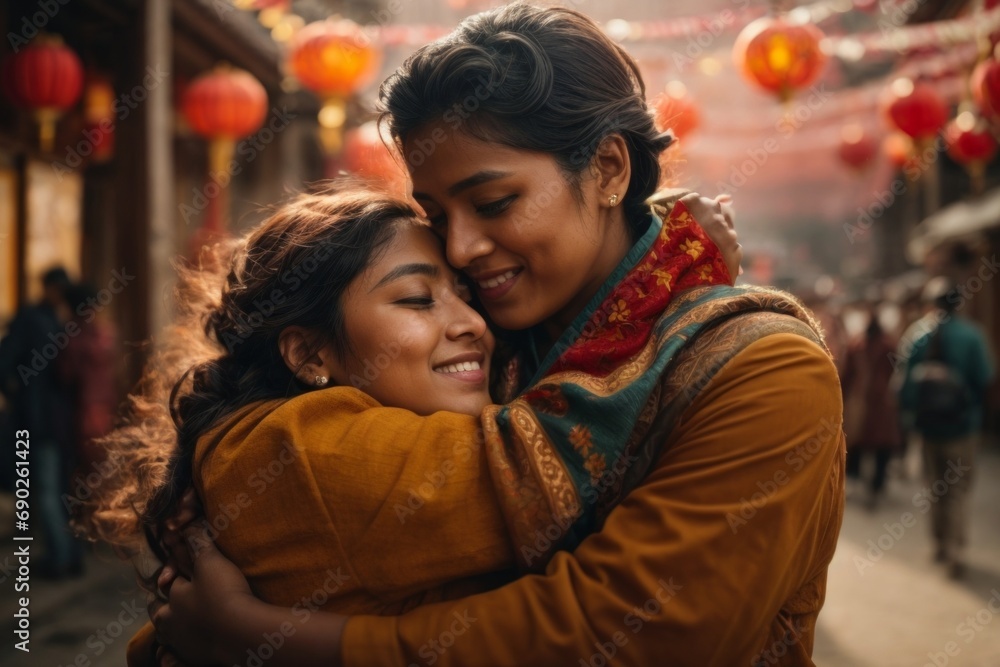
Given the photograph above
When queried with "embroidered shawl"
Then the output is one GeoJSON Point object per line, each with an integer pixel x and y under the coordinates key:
{"type": "Point", "coordinates": [564, 452]}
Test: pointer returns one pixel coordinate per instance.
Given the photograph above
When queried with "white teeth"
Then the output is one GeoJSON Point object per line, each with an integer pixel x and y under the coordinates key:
{"type": "Point", "coordinates": [499, 280]}
{"type": "Point", "coordinates": [457, 368]}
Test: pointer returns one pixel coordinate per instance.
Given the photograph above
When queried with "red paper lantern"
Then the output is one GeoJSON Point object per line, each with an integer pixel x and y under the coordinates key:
{"type": "Point", "coordinates": [857, 148]}
{"type": "Point", "coordinates": [333, 58]}
{"type": "Point", "coordinates": [969, 140]}
{"type": "Point", "coordinates": [971, 144]}
{"type": "Point", "coordinates": [985, 85]}
{"type": "Point", "coordinates": [778, 56]}
{"type": "Point", "coordinates": [915, 108]}
{"type": "Point", "coordinates": [226, 103]}
{"type": "Point", "coordinates": [46, 76]}
{"type": "Point", "coordinates": [676, 111]}
{"type": "Point", "coordinates": [367, 154]}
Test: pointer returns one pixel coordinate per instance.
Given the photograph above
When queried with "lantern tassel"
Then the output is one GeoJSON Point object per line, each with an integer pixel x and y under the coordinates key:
{"type": "Point", "coordinates": [220, 155]}
{"type": "Point", "coordinates": [47, 128]}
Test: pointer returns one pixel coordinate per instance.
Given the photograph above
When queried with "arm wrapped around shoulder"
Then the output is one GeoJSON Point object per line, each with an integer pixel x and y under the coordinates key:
{"type": "Point", "coordinates": [718, 556]}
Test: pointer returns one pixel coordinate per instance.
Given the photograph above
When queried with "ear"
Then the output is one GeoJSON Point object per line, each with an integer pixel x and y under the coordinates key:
{"type": "Point", "coordinates": [612, 169]}
{"type": "Point", "coordinates": [308, 357]}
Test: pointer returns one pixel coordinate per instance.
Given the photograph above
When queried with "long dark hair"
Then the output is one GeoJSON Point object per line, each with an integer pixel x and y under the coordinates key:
{"type": "Point", "coordinates": [223, 354]}
{"type": "Point", "coordinates": [540, 79]}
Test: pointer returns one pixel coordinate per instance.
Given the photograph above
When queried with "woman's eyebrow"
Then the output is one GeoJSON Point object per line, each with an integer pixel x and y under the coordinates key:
{"type": "Point", "coordinates": [477, 178]}
{"type": "Point", "coordinates": [406, 270]}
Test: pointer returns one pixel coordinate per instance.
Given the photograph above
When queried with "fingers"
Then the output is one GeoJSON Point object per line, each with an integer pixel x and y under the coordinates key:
{"type": "Point", "coordinates": [199, 541]}
{"type": "Point", "coordinates": [166, 578]}
{"type": "Point", "coordinates": [188, 510]}
{"type": "Point", "coordinates": [167, 658]}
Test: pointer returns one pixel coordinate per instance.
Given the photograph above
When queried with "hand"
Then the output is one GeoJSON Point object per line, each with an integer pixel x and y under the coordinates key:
{"type": "Point", "coordinates": [192, 622]}
{"type": "Point", "coordinates": [167, 658]}
{"type": "Point", "coordinates": [717, 218]}
{"type": "Point", "coordinates": [188, 511]}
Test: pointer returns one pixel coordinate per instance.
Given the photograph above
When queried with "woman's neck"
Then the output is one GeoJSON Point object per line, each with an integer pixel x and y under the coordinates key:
{"type": "Point", "coordinates": [616, 245]}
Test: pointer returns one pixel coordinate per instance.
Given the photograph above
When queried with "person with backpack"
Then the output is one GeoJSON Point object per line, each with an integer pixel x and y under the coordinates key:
{"type": "Point", "coordinates": [947, 374]}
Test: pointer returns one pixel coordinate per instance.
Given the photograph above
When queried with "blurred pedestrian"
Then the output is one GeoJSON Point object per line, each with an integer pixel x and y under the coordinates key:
{"type": "Point", "coordinates": [88, 369]}
{"type": "Point", "coordinates": [947, 374]}
{"type": "Point", "coordinates": [870, 410]}
{"type": "Point", "coordinates": [41, 406]}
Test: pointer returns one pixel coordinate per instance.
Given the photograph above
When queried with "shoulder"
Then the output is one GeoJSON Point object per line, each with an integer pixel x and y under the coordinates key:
{"type": "Point", "coordinates": [273, 423]}
{"type": "Point", "coordinates": [746, 349]}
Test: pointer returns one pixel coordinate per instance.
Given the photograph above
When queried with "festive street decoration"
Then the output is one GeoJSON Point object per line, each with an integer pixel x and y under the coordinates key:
{"type": "Point", "coordinates": [985, 85]}
{"type": "Point", "coordinates": [676, 111]}
{"type": "Point", "coordinates": [915, 108]}
{"type": "Point", "coordinates": [99, 117]}
{"type": "Point", "coordinates": [224, 106]}
{"type": "Point", "coordinates": [367, 154]}
{"type": "Point", "coordinates": [334, 59]}
{"type": "Point", "coordinates": [971, 144]}
{"type": "Point", "coordinates": [857, 148]}
{"type": "Point", "coordinates": [898, 148]}
{"type": "Point", "coordinates": [45, 76]}
{"type": "Point", "coordinates": [778, 56]}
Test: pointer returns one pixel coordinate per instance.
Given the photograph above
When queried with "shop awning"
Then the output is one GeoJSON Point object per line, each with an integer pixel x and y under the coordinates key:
{"type": "Point", "coordinates": [961, 220]}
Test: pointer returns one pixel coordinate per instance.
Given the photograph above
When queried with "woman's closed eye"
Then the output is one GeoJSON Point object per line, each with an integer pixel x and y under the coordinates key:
{"type": "Point", "coordinates": [495, 207]}
{"type": "Point", "coordinates": [416, 301]}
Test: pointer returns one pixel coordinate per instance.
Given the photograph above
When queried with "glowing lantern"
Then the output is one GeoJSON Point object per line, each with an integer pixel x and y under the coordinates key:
{"type": "Point", "coordinates": [778, 56]}
{"type": "Point", "coordinates": [985, 84]}
{"type": "Point", "coordinates": [857, 148]}
{"type": "Point", "coordinates": [915, 108]}
{"type": "Point", "coordinates": [676, 111]}
{"type": "Point", "coordinates": [898, 147]}
{"type": "Point", "coordinates": [971, 144]}
{"type": "Point", "coordinates": [367, 154]}
{"type": "Point", "coordinates": [46, 76]}
{"type": "Point", "coordinates": [99, 117]}
{"type": "Point", "coordinates": [224, 106]}
{"type": "Point", "coordinates": [334, 59]}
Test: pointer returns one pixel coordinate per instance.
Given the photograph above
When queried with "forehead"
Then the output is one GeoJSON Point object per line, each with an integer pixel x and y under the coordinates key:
{"type": "Point", "coordinates": [412, 243]}
{"type": "Point", "coordinates": [439, 155]}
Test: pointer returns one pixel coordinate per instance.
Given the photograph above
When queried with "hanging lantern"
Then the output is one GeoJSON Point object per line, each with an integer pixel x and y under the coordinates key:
{"type": "Point", "coordinates": [226, 103]}
{"type": "Point", "coordinates": [915, 108]}
{"type": "Point", "coordinates": [334, 59]}
{"type": "Point", "coordinates": [367, 154]}
{"type": "Point", "coordinates": [778, 56]}
{"type": "Point", "coordinates": [898, 148]}
{"type": "Point", "coordinates": [676, 111]}
{"type": "Point", "coordinates": [971, 144]}
{"type": "Point", "coordinates": [46, 76]}
{"type": "Point", "coordinates": [99, 117]}
{"type": "Point", "coordinates": [985, 85]}
{"type": "Point", "coordinates": [224, 106]}
{"type": "Point", "coordinates": [857, 148]}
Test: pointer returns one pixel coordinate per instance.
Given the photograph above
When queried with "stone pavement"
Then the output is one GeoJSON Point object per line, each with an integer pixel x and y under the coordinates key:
{"type": "Point", "coordinates": [888, 605]}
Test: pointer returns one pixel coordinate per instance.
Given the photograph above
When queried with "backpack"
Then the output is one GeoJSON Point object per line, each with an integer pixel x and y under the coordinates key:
{"type": "Point", "coordinates": [943, 399]}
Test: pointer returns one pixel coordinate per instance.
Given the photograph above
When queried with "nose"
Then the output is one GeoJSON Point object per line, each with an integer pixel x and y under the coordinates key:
{"type": "Point", "coordinates": [465, 242]}
{"type": "Point", "coordinates": [464, 322]}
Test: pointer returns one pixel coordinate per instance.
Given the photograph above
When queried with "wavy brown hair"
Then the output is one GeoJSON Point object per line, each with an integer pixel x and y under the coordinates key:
{"type": "Point", "coordinates": [222, 351]}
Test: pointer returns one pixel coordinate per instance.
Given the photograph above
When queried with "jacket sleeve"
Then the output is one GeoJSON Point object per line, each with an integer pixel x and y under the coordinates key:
{"type": "Point", "coordinates": [740, 515]}
{"type": "Point", "coordinates": [341, 481]}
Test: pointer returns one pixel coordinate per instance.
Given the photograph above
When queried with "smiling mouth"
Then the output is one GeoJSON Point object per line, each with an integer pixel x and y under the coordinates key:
{"type": "Point", "coordinates": [459, 367]}
{"type": "Point", "coordinates": [497, 281]}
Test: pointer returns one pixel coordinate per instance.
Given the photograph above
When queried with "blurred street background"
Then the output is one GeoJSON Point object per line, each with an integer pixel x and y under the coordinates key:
{"type": "Point", "coordinates": [857, 138]}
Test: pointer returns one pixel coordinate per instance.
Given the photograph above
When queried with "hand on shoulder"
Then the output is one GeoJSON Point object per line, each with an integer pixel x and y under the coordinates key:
{"type": "Point", "coordinates": [717, 217]}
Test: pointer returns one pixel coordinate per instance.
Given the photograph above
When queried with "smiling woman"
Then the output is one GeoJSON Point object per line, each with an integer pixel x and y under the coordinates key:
{"type": "Point", "coordinates": [644, 400]}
